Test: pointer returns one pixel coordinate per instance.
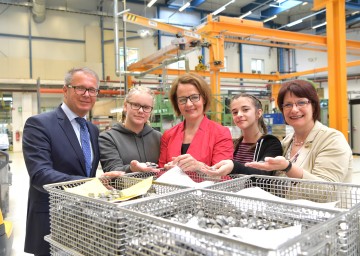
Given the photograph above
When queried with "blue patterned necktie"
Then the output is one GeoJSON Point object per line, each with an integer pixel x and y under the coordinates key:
{"type": "Point", "coordinates": [85, 143]}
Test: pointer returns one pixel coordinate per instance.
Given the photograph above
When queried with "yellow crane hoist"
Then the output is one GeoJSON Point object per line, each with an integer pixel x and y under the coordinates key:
{"type": "Point", "coordinates": [200, 66]}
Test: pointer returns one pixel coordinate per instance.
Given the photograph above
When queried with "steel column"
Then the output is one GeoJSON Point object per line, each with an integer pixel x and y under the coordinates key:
{"type": "Point", "coordinates": [336, 45]}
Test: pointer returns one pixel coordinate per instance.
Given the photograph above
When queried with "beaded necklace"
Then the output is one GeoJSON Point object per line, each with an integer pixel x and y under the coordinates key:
{"type": "Point", "coordinates": [297, 143]}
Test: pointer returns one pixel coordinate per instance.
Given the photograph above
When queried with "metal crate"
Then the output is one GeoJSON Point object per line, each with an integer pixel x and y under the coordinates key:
{"type": "Point", "coordinates": [195, 176]}
{"type": "Point", "coordinates": [347, 195]}
{"type": "Point", "coordinates": [155, 228]}
{"type": "Point", "coordinates": [91, 226]}
{"type": "Point", "coordinates": [57, 249]}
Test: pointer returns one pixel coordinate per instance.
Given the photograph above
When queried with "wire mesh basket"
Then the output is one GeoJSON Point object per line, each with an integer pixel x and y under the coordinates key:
{"type": "Point", "coordinates": [92, 226]}
{"type": "Point", "coordinates": [162, 226]}
{"type": "Point", "coordinates": [57, 249]}
{"type": "Point", "coordinates": [345, 195]}
{"type": "Point", "coordinates": [195, 176]}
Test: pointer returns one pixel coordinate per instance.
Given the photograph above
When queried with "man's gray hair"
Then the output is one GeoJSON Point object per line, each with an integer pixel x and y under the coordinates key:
{"type": "Point", "coordinates": [69, 75]}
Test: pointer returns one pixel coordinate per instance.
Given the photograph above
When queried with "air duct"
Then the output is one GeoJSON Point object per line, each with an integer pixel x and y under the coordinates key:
{"type": "Point", "coordinates": [38, 10]}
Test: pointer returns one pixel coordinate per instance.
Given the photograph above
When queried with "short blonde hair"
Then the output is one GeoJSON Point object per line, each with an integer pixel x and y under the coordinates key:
{"type": "Point", "coordinates": [200, 84]}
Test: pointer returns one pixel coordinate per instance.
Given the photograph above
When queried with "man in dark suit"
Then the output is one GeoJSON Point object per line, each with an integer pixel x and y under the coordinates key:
{"type": "Point", "coordinates": [53, 144]}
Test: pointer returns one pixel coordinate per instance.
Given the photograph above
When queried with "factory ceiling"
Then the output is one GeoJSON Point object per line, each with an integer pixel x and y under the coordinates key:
{"type": "Point", "coordinates": [289, 15]}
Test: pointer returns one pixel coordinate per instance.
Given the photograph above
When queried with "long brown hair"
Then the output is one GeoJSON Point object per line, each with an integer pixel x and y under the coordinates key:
{"type": "Point", "coordinates": [257, 104]}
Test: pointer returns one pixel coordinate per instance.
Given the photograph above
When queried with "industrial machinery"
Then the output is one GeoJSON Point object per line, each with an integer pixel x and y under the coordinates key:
{"type": "Point", "coordinates": [5, 182]}
{"type": "Point", "coordinates": [6, 236]}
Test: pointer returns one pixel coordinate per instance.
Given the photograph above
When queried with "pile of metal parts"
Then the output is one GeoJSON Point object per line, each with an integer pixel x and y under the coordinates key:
{"type": "Point", "coordinates": [175, 220]}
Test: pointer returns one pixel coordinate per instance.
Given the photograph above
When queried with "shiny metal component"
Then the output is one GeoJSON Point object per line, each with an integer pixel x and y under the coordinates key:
{"type": "Point", "coordinates": [93, 226]}
{"type": "Point", "coordinates": [152, 165]}
{"type": "Point", "coordinates": [216, 213]}
{"type": "Point", "coordinates": [160, 226]}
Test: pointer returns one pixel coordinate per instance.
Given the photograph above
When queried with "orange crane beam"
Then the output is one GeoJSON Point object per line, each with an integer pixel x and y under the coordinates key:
{"type": "Point", "coordinates": [215, 31]}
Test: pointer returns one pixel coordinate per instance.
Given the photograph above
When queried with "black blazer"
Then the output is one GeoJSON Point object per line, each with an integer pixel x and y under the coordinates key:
{"type": "Point", "coordinates": [267, 146]}
{"type": "Point", "coordinates": [52, 154]}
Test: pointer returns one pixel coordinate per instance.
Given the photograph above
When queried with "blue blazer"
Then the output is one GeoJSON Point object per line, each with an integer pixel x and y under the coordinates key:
{"type": "Point", "coordinates": [52, 154]}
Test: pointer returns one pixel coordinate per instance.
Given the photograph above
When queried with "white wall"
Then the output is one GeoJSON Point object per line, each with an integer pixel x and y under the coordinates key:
{"type": "Point", "coordinates": [50, 58]}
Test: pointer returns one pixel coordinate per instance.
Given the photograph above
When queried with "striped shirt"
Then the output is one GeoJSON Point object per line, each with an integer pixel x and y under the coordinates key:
{"type": "Point", "coordinates": [244, 153]}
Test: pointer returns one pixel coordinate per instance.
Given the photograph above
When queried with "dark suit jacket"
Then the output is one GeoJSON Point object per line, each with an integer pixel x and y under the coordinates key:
{"type": "Point", "coordinates": [52, 154]}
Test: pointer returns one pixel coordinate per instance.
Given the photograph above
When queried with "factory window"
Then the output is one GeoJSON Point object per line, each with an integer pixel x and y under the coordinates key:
{"type": "Point", "coordinates": [132, 56]}
{"type": "Point", "coordinates": [257, 66]}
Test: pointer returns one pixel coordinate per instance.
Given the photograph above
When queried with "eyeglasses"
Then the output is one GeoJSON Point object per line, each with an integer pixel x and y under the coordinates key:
{"type": "Point", "coordinates": [137, 106]}
{"type": "Point", "coordinates": [81, 90]}
{"type": "Point", "coordinates": [298, 104]}
{"type": "Point", "coordinates": [193, 98]}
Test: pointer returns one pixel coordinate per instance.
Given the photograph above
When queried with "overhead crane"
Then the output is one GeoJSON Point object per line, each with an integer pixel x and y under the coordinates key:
{"type": "Point", "coordinates": [216, 31]}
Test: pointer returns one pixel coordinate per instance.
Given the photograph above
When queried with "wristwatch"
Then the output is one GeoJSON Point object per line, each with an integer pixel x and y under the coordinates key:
{"type": "Point", "coordinates": [288, 168]}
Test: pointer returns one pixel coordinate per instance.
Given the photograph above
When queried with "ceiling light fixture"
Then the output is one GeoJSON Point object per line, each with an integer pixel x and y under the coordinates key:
{"type": "Point", "coordinates": [222, 8]}
{"type": "Point", "coordinates": [151, 3]}
{"type": "Point", "coordinates": [319, 25]}
{"type": "Point", "coordinates": [304, 3]}
{"type": "Point", "coordinates": [302, 19]}
{"type": "Point", "coordinates": [271, 18]}
{"type": "Point", "coordinates": [246, 14]}
{"type": "Point", "coordinates": [184, 6]}
{"type": "Point", "coordinates": [294, 23]}
{"type": "Point", "coordinates": [356, 12]}
{"type": "Point", "coordinates": [122, 12]}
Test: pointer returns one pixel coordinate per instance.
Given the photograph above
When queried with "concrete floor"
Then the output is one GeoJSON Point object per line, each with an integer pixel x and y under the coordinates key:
{"type": "Point", "coordinates": [19, 190]}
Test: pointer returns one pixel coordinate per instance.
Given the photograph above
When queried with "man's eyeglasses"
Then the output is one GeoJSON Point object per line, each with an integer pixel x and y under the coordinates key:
{"type": "Point", "coordinates": [193, 98]}
{"type": "Point", "coordinates": [298, 104]}
{"type": "Point", "coordinates": [81, 90]}
{"type": "Point", "coordinates": [137, 106]}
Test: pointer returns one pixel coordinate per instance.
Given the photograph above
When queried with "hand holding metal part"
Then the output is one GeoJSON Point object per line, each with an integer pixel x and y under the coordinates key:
{"type": "Point", "coordinates": [270, 163]}
{"type": "Point", "coordinates": [136, 166]}
{"type": "Point", "coordinates": [222, 168]}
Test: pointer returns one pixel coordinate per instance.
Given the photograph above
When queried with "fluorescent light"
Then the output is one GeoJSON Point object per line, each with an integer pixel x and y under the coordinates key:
{"type": "Point", "coordinates": [271, 18]}
{"type": "Point", "coordinates": [294, 23]}
{"type": "Point", "coordinates": [246, 14]}
{"type": "Point", "coordinates": [6, 98]}
{"type": "Point", "coordinates": [319, 25]}
{"type": "Point", "coordinates": [221, 9]}
{"type": "Point", "coordinates": [151, 3]}
{"type": "Point", "coordinates": [184, 6]}
{"type": "Point", "coordinates": [122, 12]}
{"type": "Point", "coordinates": [356, 12]}
{"type": "Point", "coordinates": [304, 3]}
